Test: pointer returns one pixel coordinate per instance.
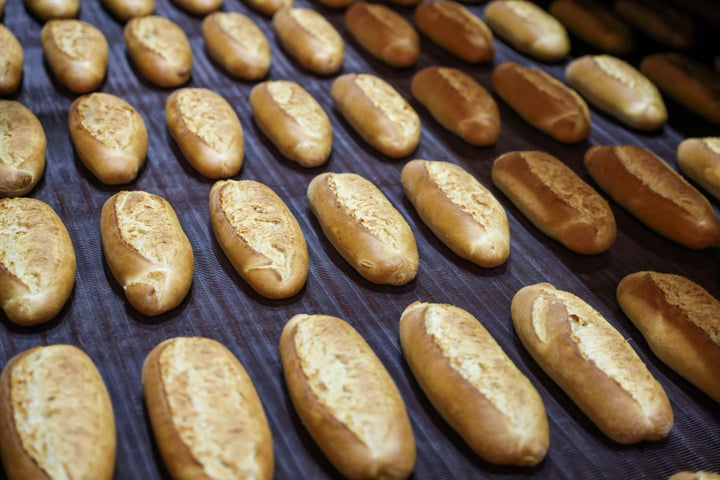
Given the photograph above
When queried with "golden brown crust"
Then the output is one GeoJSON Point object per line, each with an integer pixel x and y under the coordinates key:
{"type": "Point", "coordinates": [592, 363]}
{"type": "Point", "coordinates": [474, 385]}
{"type": "Point", "coordinates": [206, 416]}
{"type": "Point", "coordinates": [680, 321]}
{"type": "Point", "coordinates": [56, 418]}
{"type": "Point", "coordinates": [463, 214]}
{"type": "Point", "coordinates": [22, 149]}
{"type": "Point", "coordinates": [260, 236]}
{"type": "Point", "coordinates": [49, 9]}
{"type": "Point", "coordinates": [364, 227]}
{"type": "Point", "coordinates": [237, 43]}
{"type": "Point", "coordinates": [124, 10]}
{"type": "Point", "coordinates": [700, 475]}
{"type": "Point", "coordinates": [37, 261]}
{"type": "Point", "coordinates": [458, 103]}
{"type": "Point", "coordinates": [699, 159]}
{"type": "Point", "coordinates": [268, 7]}
{"type": "Point", "coordinates": [543, 101]}
{"type": "Point", "coordinates": [199, 7]}
{"type": "Point", "coordinates": [595, 24]}
{"type": "Point", "coordinates": [207, 130]}
{"type": "Point", "coordinates": [659, 20]}
{"type": "Point", "coordinates": [346, 399]}
{"type": "Point", "coordinates": [11, 68]}
{"type": "Point", "coordinates": [646, 186]}
{"type": "Point", "coordinates": [556, 200]}
{"type": "Point", "coordinates": [383, 33]}
{"type": "Point", "coordinates": [146, 250]}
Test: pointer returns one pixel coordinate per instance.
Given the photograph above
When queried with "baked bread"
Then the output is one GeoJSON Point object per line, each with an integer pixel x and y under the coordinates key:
{"type": "Point", "coordinates": [364, 227]}
{"type": "Point", "coordinates": [206, 416]}
{"type": "Point", "coordinates": [237, 43]}
{"type": "Point", "coordinates": [346, 399]}
{"type": "Point", "coordinates": [680, 321]}
{"type": "Point", "coordinates": [147, 250]}
{"type": "Point", "coordinates": [56, 418]}
{"type": "Point", "coordinates": [700, 475]}
{"type": "Point", "coordinates": [699, 160]}
{"type": "Point", "coordinates": [48, 9]}
{"type": "Point", "coordinates": [646, 186]}
{"type": "Point", "coordinates": [268, 7]}
{"type": "Point", "coordinates": [22, 149]}
{"type": "Point", "coordinates": [260, 237]}
{"type": "Point", "coordinates": [659, 20]}
{"type": "Point", "coordinates": [37, 261]}
{"type": "Point", "coordinates": [199, 8]}
{"type": "Point", "coordinates": [595, 24]}
{"type": "Point", "coordinates": [11, 68]}
{"type": "Point", "coordinates": [593, 364]}
{"type": "Point", "coordinates": [474, 385]}
{"type": "Point", "coordinates": [124, 10]}
{"type": "Point", "coordinates": [459, 210]}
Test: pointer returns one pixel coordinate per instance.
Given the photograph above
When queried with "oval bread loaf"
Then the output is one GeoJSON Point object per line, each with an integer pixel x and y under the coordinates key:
{"type": "Point", "coordinates": [56, 418]}
{"type": "Point", "coordinates": [680, 321]}
{"type": "Point", "coordinates": [646, 186]}
{"type": "Point", "coordinates": [364, 227]}
{"type": "Point", "coordinates": [458, 103]}
{"type": "Point", "coordinates": [49, 9]}
{"type": "Point", "coordinates": [109, 137]}
{"type": "Point", "coordinates": [199, 8]}
{"type": "Point", "coordinates": [237, 43]}
{"type": "Point", "coordinates": [699, 159]}
{"type": "Point", "coordinates": [592, 363]}
{"type": "Point", "coordinates": [268, 7]}
{"type": "Point", "coordinates": [205, 413]}
{"type": "Point", "coordinates": [595, 24]}
{"type": "Point", "coordinates": [556, 200]}
{"type": "Point", "coordinates": [544, 102]}
{"type": "Point", "coordinates": [378, 113]}
{"type": "Point", "coordinates": [474, 385]}
{"type": "Point", "coordinates": [147, 250]}
{"type": "Point", "coordinates": [124, 10]}
{"type": "Point", "coordinates": [37, 261]}
{"type": "Point", "coordinates": [293, 121]}
{"type": "Point", "coordinates": [22, 149]}
{"type": "Point", "coordinates": [207, 130]}
{"type": "Point", "coordinates": [346, 399]}
{"type": "Point", "coordinates": [260, 237]}
{"type": "Point", "coordinates": [11, 68]}
{"type": "Point", "coordinates": [463, 214]}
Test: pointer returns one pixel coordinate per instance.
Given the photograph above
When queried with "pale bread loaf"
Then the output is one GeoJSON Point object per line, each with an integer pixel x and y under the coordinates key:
{"type": "Point", "coordinates": [22, 149]}
{"type": "Point", "coordinates": [699, 159]}
{"type": "Point", "coordinates": [11, 68]}
{"type": "Point", "coordinates": [236, 42]}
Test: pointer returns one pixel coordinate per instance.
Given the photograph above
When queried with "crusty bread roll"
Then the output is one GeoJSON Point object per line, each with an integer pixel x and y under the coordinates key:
{"type": "Point", "coordinates": [595, 24]}
{"type": "Point", "coordinates": [646, 186]}
{"type": "Point", "coordinates": [268, 7]}
{"type": "Point", "coordinates": [378, 113]}
{"type": "Point", "coordinates": [699, 159]}
{"type": "Point", "coordinates": [310, 39]}
{"type": "Point", "coordinates": [474, 385]}
{"type": "Point", "coordinates": [109, 137]}
{"type": "Point", "coordinates": [687, 81]}
{"type": "Point", "coordinates": [529, 29]}
{"type": "Point", "coordinates": [346, 399]}
{"type": "Point", "coordinates": [237, 43]}
{"type": "Point", "coordinates": [680, 321]}
{"type": "Point", "coordinates": [147, 250]}
{"type": "Point", "coordinates": [595, 366]}
{"type": "Point", "coordinates": [49, 9]}
{"type": "Point", "coordinates": [199, 8]}
{"type": "Point", "coordinates": [364, 227]}
{"type": "Point", "coordinates": [463, 214]}
{"type": "Point", "coordinates": [700, 475]}
{"type": "Point", "coordinates": [56, 418]}
{"type": "Point", "coordinates": [659, 20]}
{"type": "Point", "coordinates": [207, 130]}
{"type": "Point", "coordinates": [159, 49]}
{"type": "Point", "coordinates": [11, 68]}
{"type": "Point", "coordinates": [546, 103]}
{"type": "Point", "coordinates": [556, 200]}
{"type": "Point", "coordinates": [617, 88]}
{"type": "Point", "coordinates": [260, 237]}
{"type": "Point", "coordinates": [37, 261]}
{"type": "Point", "coordinates": [456, 29]}
{"type": "Point", "coordinates": [206, 416]}
{"type": "Point", "coordinates": [124, 10]}
{"type": "Point", "coordinates": [293, 121]}
{"type": "Point", "coordinates": [383, 33]}
{"type": "Point", "coordinates": [458, 103]}
{"type": "Point", "coordinates": [22, 149]}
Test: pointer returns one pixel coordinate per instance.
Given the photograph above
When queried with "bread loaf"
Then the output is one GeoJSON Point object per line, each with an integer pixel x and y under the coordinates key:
{"type": "Point", "coordinates": [463, 214]}
{"type": "Point", "coordinates": [364, 227]}
{"type": "Point", "coordinates": [22, 149]}
{"type": "Point", "coordinates": [544, 102]}
{"type": "Point", "coordinates": [595, 24]}
{"type": "Point", "coordinates": [147, 250]}
{"type": "Point", "coordinates": [680, 321]}
{"type": "Point", "coordinates": [659, 20]}
{"type": "Point", "coordinates": [37, 261]}
{"type": "Point", "coordinates": [474, 385]}
{"type": "Point", "coordinates": [595, 366]}
{"type": "Point", "coordinates": [237, 43]}
{"type": "Point", "coordinates": [700, 475]}
{"type": "Point", "coordinates": [48, 9]}
{"type": "Point", "coordinates": [56, 419]}
{"type": "Point", "coordinates": [206, 416]}
{"type": "Point", "coordinates": [346, 399]}
{"type": "Point", "coordinates": [268, 7]}
{"type": "Point", "coordinates": [124, 10]}
{"type": "Point", "coordinates": [699, 159]}
{"type": "Point", "coordinates": [11, 68]}
{"type": "Point", "coordinates": [199, 8]}
{"type": "Point", "coordinates": [260, 237]}
{"type": "Point", "coordinates": [646, 186]}
{"type": "Point", "coordinates": [458, 103]}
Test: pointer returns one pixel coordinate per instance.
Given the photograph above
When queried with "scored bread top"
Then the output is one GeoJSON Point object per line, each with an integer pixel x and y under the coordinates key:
{"type": "Point", "coordinates": [536, 17]}
{"type": "Point", "coordinates": [21, 134]}
{"type": "Point", "coordinates": [618, 70]}
{"type": "Point", "coordinates": [208, 116]}
{"type": "Point", "coordinates": [555, 89]}
{"type": "Point", "coordinates": [76, 39]}
{"type": "Point", "coordinates": [712, 143]}
{"type": "Point", "coordinates": [388, 18]}
{"type": "Point", "coordinates": [159, 35]}
{"type": "Point", "coordinates": [461, 16]}
{"type": "Point", "coordinates": [242, 30]}
{"type": "Point", "coordinates": [315, 25]}
{"type": "Point", "coordinates": [386, 99]}
{"type": "Point", "coordinates": [109, 119]}
{"type": "Point", "coordinates": [464, 85]}
{"type": "Point", "coordinates": [301, 107]}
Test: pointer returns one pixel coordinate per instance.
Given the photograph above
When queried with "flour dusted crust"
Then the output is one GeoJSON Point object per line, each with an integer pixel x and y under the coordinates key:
{"type": "Point", "coordinates": [238, 44]}
{"type": "Point", "coordinates": [699, 159]}
{"type": "Point", "coordinates": [260, 236]}
{"type": "Point", "coordinates": [206, 415]}
{"type": "Point", "coordinates": [592, 363]}
{"type": "Point", "coordinates": [124, 10]}
{"type": "Point", "coordinates": [22, 149]}
{"type": "Point", "coordinates": [49, 9]}
{"type": "Point", "coordinates": [346, 399]}
{"type": "Point", "coordinates": [11, 65]}
{"type": "Point", "coordinates": [474, 385]}
{"type": "Point", "coordinates": [56, 419]}
{"type": "Point", "coordinates": [596, 24]}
